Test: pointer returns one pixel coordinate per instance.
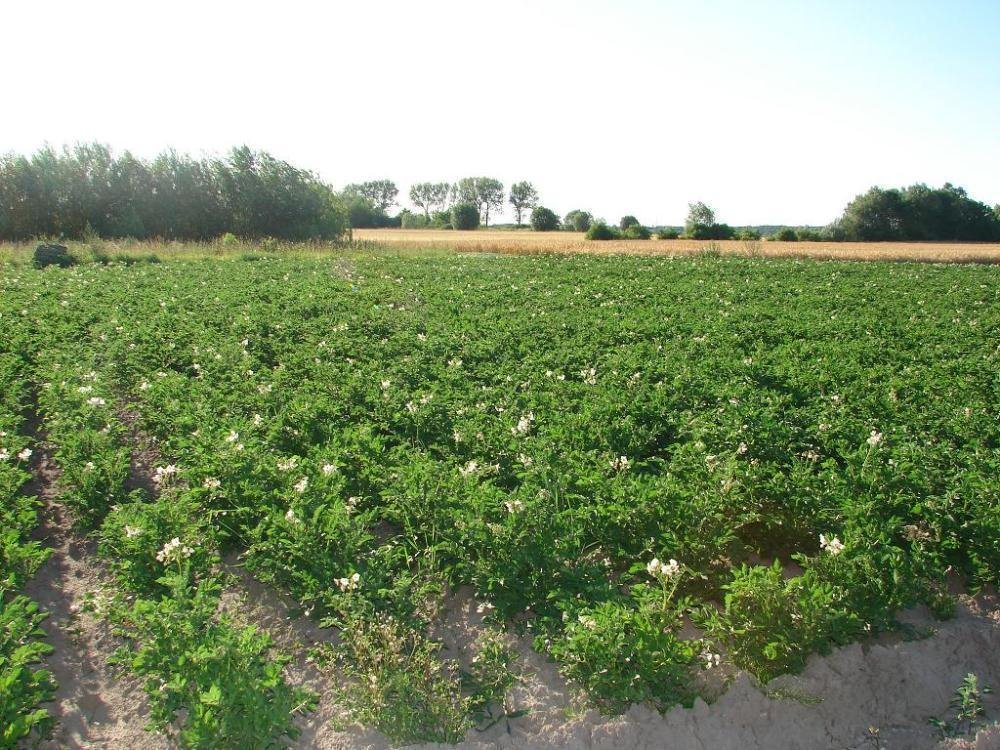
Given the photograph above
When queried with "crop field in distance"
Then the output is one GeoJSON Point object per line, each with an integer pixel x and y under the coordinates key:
{"type": "Point", "coordinates": [531, 242]}
{"type": "Point", "coordinates": [365, 498]}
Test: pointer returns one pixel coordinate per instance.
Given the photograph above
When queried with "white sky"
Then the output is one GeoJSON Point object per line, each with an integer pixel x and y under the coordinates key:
{"type": "Point", "coordinates": [772, 112]}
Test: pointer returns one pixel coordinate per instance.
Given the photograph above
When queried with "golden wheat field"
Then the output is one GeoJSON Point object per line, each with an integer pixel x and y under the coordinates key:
{"type": "Point", "coordinates": [529, 242]}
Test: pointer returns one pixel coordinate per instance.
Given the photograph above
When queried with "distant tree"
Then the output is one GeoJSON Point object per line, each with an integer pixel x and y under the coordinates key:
{"type": "Point", "coordinates": [578, 221]}
{"type": "Point", "coordinates": [917, 212]}
{"type": "Point", "coordinates": [878, 215]}
{"type": "Point", "coordinates": [544, 220]}
{"type": "Point", "coordinates": [465, 216]}
{"type": "Point", "coordinates": [380, 193]}
{"type": "Point", "coordinates": [785, 234]}
{"type": "Point", "coordinates": [484, 192]}
{"type": "Point", "coordinates": [748, 234]}
{"type": "Point", "coordinates": [523, 196]}
{"type": "Point", "coordinates": [667, 233]}
{"type": "Point", "coordinates": [701, 224]}
{"type": "Point", "coordinates": [699, 214]}
{"type": "Point", "coordinates": [362, 213]}
{"type": "Point", "coordinates": [599, 230]}
{"type": "Point", "coordinates": [87, 189]}
{"type": "Point", "coordinates": [430, 196]}
{"type": "Point", "coordinates": [628, 221]}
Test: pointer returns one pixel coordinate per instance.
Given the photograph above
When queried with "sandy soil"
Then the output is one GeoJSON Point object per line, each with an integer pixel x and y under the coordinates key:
{"type": "Point", "coordinates": [94, 707]}
{"type": "Point", "coordinates": [890, 684]}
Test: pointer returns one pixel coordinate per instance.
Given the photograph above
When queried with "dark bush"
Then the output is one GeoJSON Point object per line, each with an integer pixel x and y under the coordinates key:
{"type": "Point", "coordinates": [667, 234]}
{"type": "Point", "coordinates": [544, 220]}
{"type": "Point", "coordinates": [52, 255]}
{"type": "Point", "coordinates": [601, 231]}
{"type": "Point", "coordinates": [464, 216]}
{"type": "Point", "coordinates": [628, 221]}
{"type": "Point", "coordinates": [787, 234]}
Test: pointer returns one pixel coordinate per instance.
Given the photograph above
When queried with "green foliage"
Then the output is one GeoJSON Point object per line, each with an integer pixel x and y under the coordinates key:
{"type": "Point", "coordinates": [918, 213]}
{"type": "Point", "coordinates": [380, 194]}
{"type": "Point", "coordinates": [397, 684]}
{"type": "Point", "coordinates": [22, 688]}
{"type": "Point", "coordinates": [484, 193]}
{"type": "Point", "coordinates": [636, 232]}
{"type": "Point", "coordinates": [667, 234]}
{"type": "Point", "coordinates": [701, 224]}
{"type": "Point", "coordinates": [628, 221]}
{"type": "Point", "coordinates": [413, 221]}
{"type": "Point", "coordinates": [785, 234]}
{"type": "Point", "coordinates": [524, 197]}
{"type": "Point", "coordinates": [967, 707]}
{"type": "Point", "coordinates": [133, 534]}
{"type": "Point", "coordinates": [441, 220]}
{"type": "Point", "coordinates": [87, 189]}
{"type": "Point", "coordinates": [544, 219]}
{"type": "Point", "coordinates": [601, 231]}
{"type": "Point", "coordinates": [371, 419]}
{"type": "Point", "coordinates": [622, 654]}
{"type": "Point", "coordinates": [578, 220]}
{"type": "Point", "coordinates": [204, 674]}
{"type": "Point", "coordinates": [770, 625]}
{"type": "Point", "coordinates": [489, 678]}
{"type": "Point", "coordinates": [464, 216]}
{"type": "Point", "coordinates": [430, 196]}
{"type": "Point", "coordinates": [362, 213]}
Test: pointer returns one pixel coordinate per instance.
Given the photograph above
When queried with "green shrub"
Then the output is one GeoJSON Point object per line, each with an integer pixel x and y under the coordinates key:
{"type": "Point", "coordinates": [624, 654]}
{"type": "Point", "coordinates": [628, 221]}
{"type": "Point", "coordinates": [636, 232]}
{"type": "Point", "coordinates": [786, 234]}
{"type": "Point", "coordinates": [544, 220]}
{"type": "Point", "coordinates": [667, 234]}
{"type": "Point", "coordinates": [601, 231]}
{"type": "Point", "coordinates": [771, 625]}
{"type": "Point", "coordinates": [464, 216]}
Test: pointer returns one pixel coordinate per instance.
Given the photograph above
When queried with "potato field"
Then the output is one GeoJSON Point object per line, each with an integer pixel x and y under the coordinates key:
{"type": "Point", "coordinates": [662, 474]}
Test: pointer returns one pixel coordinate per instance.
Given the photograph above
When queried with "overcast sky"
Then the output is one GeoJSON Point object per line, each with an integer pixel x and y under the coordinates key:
{"type": "Point", "coordinates": [772, 112]}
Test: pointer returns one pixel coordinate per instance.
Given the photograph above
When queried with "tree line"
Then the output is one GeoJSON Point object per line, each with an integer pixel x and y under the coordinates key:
{"type": "Point", "coordinates": [87, 189]}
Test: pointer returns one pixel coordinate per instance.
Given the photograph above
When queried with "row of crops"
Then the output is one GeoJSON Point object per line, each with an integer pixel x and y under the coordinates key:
{"type": "Point", "coordinates": [606, 451]}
